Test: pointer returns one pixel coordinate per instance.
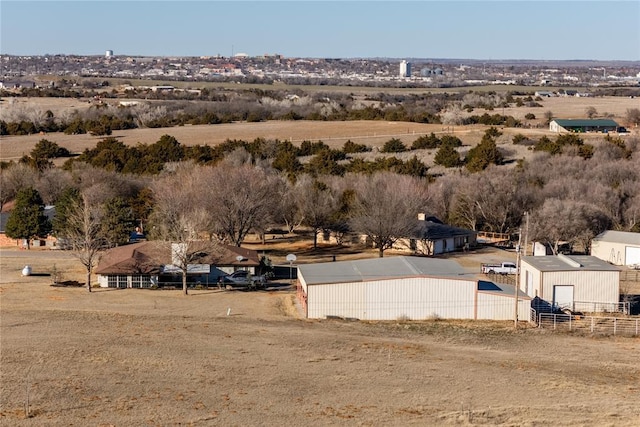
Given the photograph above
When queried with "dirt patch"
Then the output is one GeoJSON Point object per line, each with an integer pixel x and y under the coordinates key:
{"type": "Point", "coordinates": [144, 357]}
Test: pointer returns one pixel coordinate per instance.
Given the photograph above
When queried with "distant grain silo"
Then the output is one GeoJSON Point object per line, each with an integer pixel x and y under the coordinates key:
{"type": "Point", "coordinates": [108, 54]}
{"type": "Point", "coordinates": [405, 69]}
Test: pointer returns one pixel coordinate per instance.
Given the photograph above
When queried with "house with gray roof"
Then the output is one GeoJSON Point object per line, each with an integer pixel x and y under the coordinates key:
{"type": "Point", "coordinates": [431, 236]}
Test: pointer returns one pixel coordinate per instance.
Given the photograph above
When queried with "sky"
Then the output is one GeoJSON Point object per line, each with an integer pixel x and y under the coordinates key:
{"type": "Point", "coordinates": [478, 29]}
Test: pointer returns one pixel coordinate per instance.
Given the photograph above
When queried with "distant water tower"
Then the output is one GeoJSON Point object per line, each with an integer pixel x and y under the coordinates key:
{"type": "Point", "coordinates": [108, 54]}
{"type": "Point", "coordinates": [405, 69]}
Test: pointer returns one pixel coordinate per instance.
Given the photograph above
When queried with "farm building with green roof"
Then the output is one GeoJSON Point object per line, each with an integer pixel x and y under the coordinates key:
{"type": "Point", "coordinates": [583, 125]}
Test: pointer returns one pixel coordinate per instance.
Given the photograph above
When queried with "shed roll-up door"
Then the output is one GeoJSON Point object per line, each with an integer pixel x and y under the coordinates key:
{"type": "Point", "coordinates": [563, 296]}
{"type": "Point", "coordinates": [632, 255]}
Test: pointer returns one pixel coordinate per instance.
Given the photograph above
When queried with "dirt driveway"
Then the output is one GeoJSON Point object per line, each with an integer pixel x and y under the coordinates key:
{"type": "Point", "coordinates": [157, 358]}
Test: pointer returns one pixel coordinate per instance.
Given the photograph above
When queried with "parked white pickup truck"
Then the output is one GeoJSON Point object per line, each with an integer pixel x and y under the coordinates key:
{"type": "Point", "coordinates": [502, 268]}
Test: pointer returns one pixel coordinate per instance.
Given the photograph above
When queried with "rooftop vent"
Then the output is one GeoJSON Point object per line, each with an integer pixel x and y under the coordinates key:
{"type": "Point", "coordinates": [570, 261]}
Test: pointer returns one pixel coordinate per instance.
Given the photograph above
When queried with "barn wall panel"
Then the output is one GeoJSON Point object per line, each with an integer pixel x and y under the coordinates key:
{"type": "Point", "coordinates": [413, 298]}
{"type": "Point", "coordinates": [500, 307]}
{"type": "Point", "coordinates": [590, 286]}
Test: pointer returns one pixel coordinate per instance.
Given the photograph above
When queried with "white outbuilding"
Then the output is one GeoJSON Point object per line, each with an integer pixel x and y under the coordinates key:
{"type": "Point", "coordinates": [617, 247]}
{"type": "Point", "coordinates": [574, 282]}
{"type": "Point", "coordinates": [403, 287]}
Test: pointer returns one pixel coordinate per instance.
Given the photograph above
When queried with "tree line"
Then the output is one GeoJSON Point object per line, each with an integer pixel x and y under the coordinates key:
{"type": "Point", "coordinates": [215, 106]}
{"type": "Point", "coordinates": [569, 197]}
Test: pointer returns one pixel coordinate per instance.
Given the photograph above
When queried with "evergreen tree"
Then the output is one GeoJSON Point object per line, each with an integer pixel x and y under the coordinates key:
{"type": "Point", "coordinates": [484, 154]}
{"type": "Point", "coordinates": [394, 145]}
{"type": "Point", "coordinates": [27, 219]}
{"type": "Point", "coordinates": [414, 167]}
{"type": "Point", "coordinates": [67, 199]}
{"type": "Point", "coordinates": [117, 222]}
{"type": "Point", "coordinates": [447, 156]}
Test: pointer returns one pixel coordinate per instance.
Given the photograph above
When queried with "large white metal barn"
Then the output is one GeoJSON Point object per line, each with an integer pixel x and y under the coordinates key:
{"type": "Point", "coordinates": [617, 247]}
{"type": "Point", "coordinates": [575, 282]}
{"type": "Point", "coordinates": [403, 288]}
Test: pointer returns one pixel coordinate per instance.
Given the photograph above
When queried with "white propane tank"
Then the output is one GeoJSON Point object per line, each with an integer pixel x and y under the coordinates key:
{"type": "Point", "coordinates": [26, 271]}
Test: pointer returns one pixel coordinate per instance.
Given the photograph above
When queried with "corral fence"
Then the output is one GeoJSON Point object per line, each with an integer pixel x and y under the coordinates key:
{"type": "Point", "coordinates": [601, 307]}
{"type": "Point", "coordinates": [630, 276]}
{"type": "Point", "coordinates": [591, 324]}
{"type": "Point", "coordinates": [488, 237]}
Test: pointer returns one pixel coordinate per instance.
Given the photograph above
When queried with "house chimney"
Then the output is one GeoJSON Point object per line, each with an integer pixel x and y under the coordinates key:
{"type": "Point", "coordinates": [422, 216]}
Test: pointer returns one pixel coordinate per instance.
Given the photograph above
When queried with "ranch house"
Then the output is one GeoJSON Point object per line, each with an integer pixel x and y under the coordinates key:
{"type": "Point", "coordinates": [149, 264]}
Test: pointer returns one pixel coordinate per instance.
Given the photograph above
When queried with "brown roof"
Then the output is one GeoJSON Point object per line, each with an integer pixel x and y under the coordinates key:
{"type": "Point", "coordinates": [149, 258]}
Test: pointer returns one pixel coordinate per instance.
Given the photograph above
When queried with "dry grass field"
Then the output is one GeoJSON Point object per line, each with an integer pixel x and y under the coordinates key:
{"type": "Point", "coordinates": [373, 133]}
{"type": "Point", "coordinates": [157, 358]}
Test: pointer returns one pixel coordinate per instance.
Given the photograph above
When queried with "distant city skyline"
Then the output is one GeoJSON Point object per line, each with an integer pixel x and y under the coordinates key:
{"type": "Point", "coordinates": [480, 29]}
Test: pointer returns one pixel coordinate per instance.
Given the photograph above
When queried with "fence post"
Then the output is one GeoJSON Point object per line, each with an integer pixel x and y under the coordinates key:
{"type": "Point", "coordinates": [615, 325]}
{"type": "Point", "coordinates": [570, 317]}
{"type": "Point", "coordinates": [540, 320]}
{"type": "Point", "coordinates": [592, 320]}
{"type": "Point", "coordinates": [555, 317]}
{"type": "Point", "coordinates": [637, 326]}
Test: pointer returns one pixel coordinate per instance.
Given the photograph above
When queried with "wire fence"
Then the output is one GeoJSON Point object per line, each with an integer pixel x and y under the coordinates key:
{"type": "Point", "coordinates": [590, 324]}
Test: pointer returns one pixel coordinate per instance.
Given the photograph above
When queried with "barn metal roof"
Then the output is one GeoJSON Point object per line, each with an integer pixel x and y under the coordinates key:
{"type": "Point", "coordinates": [381, 268]}
{"type": "Point", "coordinates": [585, 122]}
{"type": "Point", "coordinates": [625, 237]}
{"type": "Point", "coordinates": [568, 263]}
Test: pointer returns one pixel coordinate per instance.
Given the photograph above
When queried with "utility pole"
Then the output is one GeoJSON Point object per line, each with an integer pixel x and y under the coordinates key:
{"type": "Point", "coordinates": [526, 233]}
{"type": "Point", "coordinates": [517, 284]}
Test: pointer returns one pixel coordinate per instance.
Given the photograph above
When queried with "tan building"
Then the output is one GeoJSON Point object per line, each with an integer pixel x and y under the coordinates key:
{"type": "Point", "coordinates": [617, 247]}
{"type": "Point", "coordinates": [573, 282]}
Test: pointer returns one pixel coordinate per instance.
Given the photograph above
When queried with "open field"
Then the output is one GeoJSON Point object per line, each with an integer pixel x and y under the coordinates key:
{"type": "Point", "coordinates": [373, 133]}
{"type": "Point", "coordinates": [157, 358]}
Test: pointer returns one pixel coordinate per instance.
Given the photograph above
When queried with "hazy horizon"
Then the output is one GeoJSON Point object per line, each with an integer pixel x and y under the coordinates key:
{"type": "Point", "coordinates": [473, 30]}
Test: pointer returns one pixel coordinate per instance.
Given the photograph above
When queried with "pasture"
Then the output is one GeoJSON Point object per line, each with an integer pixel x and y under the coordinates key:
{"type": "Point", "coordinates": [158, 358]}
{"type": "Point", "coordinates": [373, 133]}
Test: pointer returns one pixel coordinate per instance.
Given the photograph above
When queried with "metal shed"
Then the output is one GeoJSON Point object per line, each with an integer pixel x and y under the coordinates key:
{"type": "Point", "coordinates": [403, 287]}
{"type": "Point", "coordinates": [575, 282]}
{"type": "Point", "coordinates": [583, 125]}
{"type": "Point", "coordinates": [617, 247]}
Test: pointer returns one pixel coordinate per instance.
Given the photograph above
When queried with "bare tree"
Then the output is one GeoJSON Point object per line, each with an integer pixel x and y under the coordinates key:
{"type": "Point", "coordinates": [52, 183]}
{"type": "Point", "coordinates": [178, 218]}
{"type": "Point", "coordinates": [15, 178]}
{"type": "Point", "coordinates": [548, 116]}
{"type": "Point", "coordinates": [632, 117]}
{"type": "Point", "coordinates": [591, 112]}
{"type": "Point", "coordinates": [287, 208]}
{"type": "Point", "coordinates": [387, 207]}
{"type": "Point", "coordinates": [442, 196]}
{"type": "Point", "coordinates": [83, 232]}
{"type": "Point", "coordinates": [238, 199]}
{"type": "Point", "coordinates": [316, 203]}
{"type": "Point", "coordinates": [569, 221]}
